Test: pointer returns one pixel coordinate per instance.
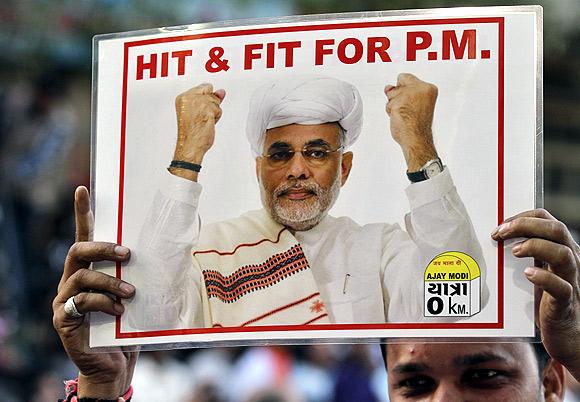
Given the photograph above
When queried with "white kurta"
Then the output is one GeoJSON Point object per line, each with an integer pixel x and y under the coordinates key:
{"type": "Point", "coordinates": [365, 274]}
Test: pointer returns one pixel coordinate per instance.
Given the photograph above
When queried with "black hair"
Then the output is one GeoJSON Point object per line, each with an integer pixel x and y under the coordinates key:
{"type": "Point", "coordinates": [542, 356]}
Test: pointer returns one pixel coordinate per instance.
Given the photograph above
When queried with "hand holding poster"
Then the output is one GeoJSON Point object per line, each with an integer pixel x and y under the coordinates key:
{"type": "Point", "coordinates": [300, 133]}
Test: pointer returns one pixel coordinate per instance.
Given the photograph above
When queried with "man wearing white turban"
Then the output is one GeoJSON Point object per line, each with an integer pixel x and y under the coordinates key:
{"type": "Point", "coordinates": [306, 100]}
{"type": "Point", "coordinates": [292, 263]}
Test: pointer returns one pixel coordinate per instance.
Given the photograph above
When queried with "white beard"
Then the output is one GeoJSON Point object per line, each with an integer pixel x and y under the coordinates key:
{"type": "Point", "coordinates": [304, 215]}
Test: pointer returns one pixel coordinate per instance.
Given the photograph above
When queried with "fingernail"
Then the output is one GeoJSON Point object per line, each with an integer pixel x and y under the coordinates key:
{"type": "Point", "coordinates": [516, 248]}
{"type": "Point", "coordinates": [503, 228]}
{"type": "Point", "coordinates": [121, 251]}
{"type": "Point", "coordinates": [529, 271]}
{"type": "Point", "coordinates": [126, 288]}
{"type": "Point", "coordinates": [494, 231]}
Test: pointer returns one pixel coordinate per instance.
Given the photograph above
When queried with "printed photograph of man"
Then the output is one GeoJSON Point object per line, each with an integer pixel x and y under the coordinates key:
{"type": "Point", "coordinates": [293, 263]}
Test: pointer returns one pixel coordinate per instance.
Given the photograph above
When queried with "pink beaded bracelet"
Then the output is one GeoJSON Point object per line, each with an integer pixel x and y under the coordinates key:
{"type": "Point", "coordinates": [71, 388]}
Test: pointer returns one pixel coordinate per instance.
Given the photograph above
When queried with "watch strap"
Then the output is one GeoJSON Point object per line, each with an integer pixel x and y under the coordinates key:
{"type": "Point", "coordinates": [416, 177]}
{"type": "Point", "coordinates": [421, 175]}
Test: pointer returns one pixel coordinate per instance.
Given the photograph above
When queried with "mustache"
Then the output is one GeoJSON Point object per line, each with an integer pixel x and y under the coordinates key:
{"type": "Point", "coordinates": [285, 188]}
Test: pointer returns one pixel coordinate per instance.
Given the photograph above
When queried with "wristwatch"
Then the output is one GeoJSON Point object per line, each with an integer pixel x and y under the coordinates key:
{"type": "Point", "coordinates": [430, 169]}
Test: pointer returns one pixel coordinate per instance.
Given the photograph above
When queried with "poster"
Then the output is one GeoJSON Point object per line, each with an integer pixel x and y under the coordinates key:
{"type": "Point", "coordinates": [303, 223]}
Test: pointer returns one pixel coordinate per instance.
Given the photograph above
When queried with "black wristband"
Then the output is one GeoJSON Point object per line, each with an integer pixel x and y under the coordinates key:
{"type": "Point", "coordinates": [185, 165]}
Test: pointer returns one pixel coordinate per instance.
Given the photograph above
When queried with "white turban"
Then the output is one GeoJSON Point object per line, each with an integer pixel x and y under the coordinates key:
{"type": "Point", "coordinates": [310, 99]}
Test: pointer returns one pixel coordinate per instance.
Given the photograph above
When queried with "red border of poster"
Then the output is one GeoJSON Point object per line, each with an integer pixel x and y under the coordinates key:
{"type": "Point", "coordinates": [499, 324]}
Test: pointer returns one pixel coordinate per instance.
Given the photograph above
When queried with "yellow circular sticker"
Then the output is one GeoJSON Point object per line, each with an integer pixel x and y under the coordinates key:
{"type": "Point", "coordinates": [452, 266]}
{"type": "Point", "coordinates": [452, 286]}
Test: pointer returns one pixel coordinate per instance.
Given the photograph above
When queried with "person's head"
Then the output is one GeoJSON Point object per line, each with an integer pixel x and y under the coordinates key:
{"type": "Point", "coordinates": [298, 130]}
{"type": "Point", "coordinates": [298, 189]}
{"type": "Point", "coordinates": [458, 372]}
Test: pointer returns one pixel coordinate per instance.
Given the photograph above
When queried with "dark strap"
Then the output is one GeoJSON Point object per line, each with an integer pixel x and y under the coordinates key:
{"type": "Point", "coordinates": [416, 177]}
{"type": "Point", "coordinates": [185, 165]}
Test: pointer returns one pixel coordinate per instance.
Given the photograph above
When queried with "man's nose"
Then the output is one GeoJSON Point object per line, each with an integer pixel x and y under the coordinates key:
{"type": "Point", "coordinates": [447, 393]}
{"type": "Point", "coordinates": [298, 167]}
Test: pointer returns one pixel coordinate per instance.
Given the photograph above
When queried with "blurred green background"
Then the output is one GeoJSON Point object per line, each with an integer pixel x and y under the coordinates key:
{"type": "Point", "coordinates": [45, 73]}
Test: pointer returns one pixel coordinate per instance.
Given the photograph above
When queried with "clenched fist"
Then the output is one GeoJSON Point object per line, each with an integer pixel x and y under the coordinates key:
{"type": "Point", "coordinates": [410, 107]}
{"type": "Point", "coordinates": [198, 110]}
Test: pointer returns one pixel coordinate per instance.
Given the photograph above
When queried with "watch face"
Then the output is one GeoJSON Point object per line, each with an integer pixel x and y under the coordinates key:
{"type": "Point", "coordinates": [433, 169]}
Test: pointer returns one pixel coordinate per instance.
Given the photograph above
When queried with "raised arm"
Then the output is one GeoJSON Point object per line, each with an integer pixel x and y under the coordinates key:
{"type": "Point", "coordinates": [438, 220]}
{"type": "Point", "coordinates": [198, 110]}
{"type": "Point", "coordinates": [410, 106]}
{"type": "Point", "coordinates": [170, 294]}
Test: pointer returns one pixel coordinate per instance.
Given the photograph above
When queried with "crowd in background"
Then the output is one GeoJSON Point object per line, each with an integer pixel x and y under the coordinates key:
{"type": "Point", "coordinates": [45, 88]}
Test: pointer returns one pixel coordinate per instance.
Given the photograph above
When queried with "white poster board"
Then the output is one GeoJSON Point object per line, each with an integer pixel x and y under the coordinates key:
{"type": "Point", "coordinates": [486, 64]}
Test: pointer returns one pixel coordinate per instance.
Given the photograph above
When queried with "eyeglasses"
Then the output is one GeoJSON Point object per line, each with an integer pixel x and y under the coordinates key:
{"type": "Point", "coordinates": [313, 155]}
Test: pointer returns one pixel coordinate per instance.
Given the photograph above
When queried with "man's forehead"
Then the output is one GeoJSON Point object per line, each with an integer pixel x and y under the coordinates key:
{"type": "Point", "coordinates": [457, 354]}
{"type": "Point", "coordinates": [301, 134]}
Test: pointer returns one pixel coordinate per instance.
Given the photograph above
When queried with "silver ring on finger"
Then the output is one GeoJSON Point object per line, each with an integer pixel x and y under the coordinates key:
{"type": "Point", "coordinates": [70, 308]}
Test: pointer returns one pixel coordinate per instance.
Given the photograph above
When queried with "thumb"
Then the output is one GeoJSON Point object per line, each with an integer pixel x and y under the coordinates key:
{"type": "Point", "coordinates": [221, 94]}
{"type": "Point", "coordinates": [405, 79]}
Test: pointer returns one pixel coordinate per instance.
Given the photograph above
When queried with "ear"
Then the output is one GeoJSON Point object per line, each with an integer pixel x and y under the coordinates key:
{"type": "Point", "coordinates": [259, 160]}
{"type": "Point", "coordinates": [553, 378]}
{"type": "Point", "coordinates": [345, 166]}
